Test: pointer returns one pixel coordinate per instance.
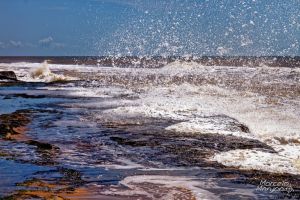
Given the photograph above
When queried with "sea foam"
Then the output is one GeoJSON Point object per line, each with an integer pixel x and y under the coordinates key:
{"type": "Point", "coordinates": [271, 113]}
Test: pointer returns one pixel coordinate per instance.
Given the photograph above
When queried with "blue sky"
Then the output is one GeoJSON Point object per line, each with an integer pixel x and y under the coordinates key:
{"type": "Point", "coordinates": [149, 27]}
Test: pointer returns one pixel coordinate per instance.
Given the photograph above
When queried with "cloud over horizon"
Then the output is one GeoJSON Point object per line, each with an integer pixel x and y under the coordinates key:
{"type": "Point", "coordinates": [49, 42]}
{"type": "Point", "coordinates": [16, 43]}
{"type": "Point", "coordinates": [46, 41]}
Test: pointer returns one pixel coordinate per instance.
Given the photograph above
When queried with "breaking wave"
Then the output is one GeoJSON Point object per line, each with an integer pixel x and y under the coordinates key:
{"type": "Point", "coordinates": [43, 73]}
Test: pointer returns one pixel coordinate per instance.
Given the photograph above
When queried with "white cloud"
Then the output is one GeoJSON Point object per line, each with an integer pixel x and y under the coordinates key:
{"type": "Point", "coordinates": [16, 43]}
{"type": "Point", "coordinates": [46, 41]}
{"type": "Point", "coordinates": [49, 42]}
{"type": "Point", "coordinates": [2, 45]}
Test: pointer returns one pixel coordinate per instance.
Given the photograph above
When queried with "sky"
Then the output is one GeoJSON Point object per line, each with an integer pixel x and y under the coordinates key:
{"type": "Point", "coordinates": [149, 27]}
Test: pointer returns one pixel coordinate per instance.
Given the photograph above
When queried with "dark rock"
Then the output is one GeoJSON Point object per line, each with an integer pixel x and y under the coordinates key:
{"type": "Point", "coordinates": [6, 129]}
{"type": "Point", "coordinates": [9, 122]}
{"type": "Point", "coordinates": [25, 96]}
{"type": "Point", "coordinates": [40, 145]}
{"type": "Point", "coordinates": [73, 177]}
{"type": "Point", "coordinates": [244, 128]}
{"type": "Point", "coordinates": [8, 75]}
{"type": "Point", "coordinates": [184, 150]}
{"type": "Point", "coordinates": [134, 142]}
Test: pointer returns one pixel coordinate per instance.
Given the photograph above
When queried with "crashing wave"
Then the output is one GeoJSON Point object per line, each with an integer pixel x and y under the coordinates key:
{"type": "Point", "coordinates": [43, 73]}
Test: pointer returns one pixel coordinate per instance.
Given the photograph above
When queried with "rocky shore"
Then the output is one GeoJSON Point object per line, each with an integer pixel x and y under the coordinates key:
{"type": "Point", "coordinates": [76, 151]}
{"type": "Point", "coordinates": [8, 75]}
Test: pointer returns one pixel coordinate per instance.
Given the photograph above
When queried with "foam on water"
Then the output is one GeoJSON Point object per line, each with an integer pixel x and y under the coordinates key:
{"type": "Point", "coordinates": [170, 187]}
{"type": "Point", "coordinates": [258, 160]}
{"type": "Point", "coordinates": [215, 109]}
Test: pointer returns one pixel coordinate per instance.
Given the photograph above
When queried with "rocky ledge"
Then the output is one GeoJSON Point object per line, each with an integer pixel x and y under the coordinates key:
{"type": "Point", "coordinates": [8, 75]}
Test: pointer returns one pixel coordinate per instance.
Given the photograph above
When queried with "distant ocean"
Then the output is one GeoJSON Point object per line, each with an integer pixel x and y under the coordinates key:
{"type": "Point", "coordinates": [157, 61]}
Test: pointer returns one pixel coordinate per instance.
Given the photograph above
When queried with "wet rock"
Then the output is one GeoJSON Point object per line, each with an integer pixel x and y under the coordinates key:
{"type": "Point", "coordinates": [46, 153]}
{"type": "Point", "coordinates": [185, 150]}
{"type": "Point", "coordinates": [40, 145]}
{"type": "Point", "coordinates": [10, 123]}
{"type": "Point", "coordinates": [73, 177]}
{"type": "Point", "coordinates": [134, 143]}
{"type": "Point", "coordinates": [57, 187]}
{"type": "Point", "coordinates": [6, 130]}
{"type": "Point", "coordinates": [243, 128]}
{"type": "Point", "coordinates": [150, 141]}
{"type": "Point", "coordinates": [25, 96]}
{"type": "Point", "coordinates": [13, 127]}
{"type": "Point", "coordinates": [8, 75]}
